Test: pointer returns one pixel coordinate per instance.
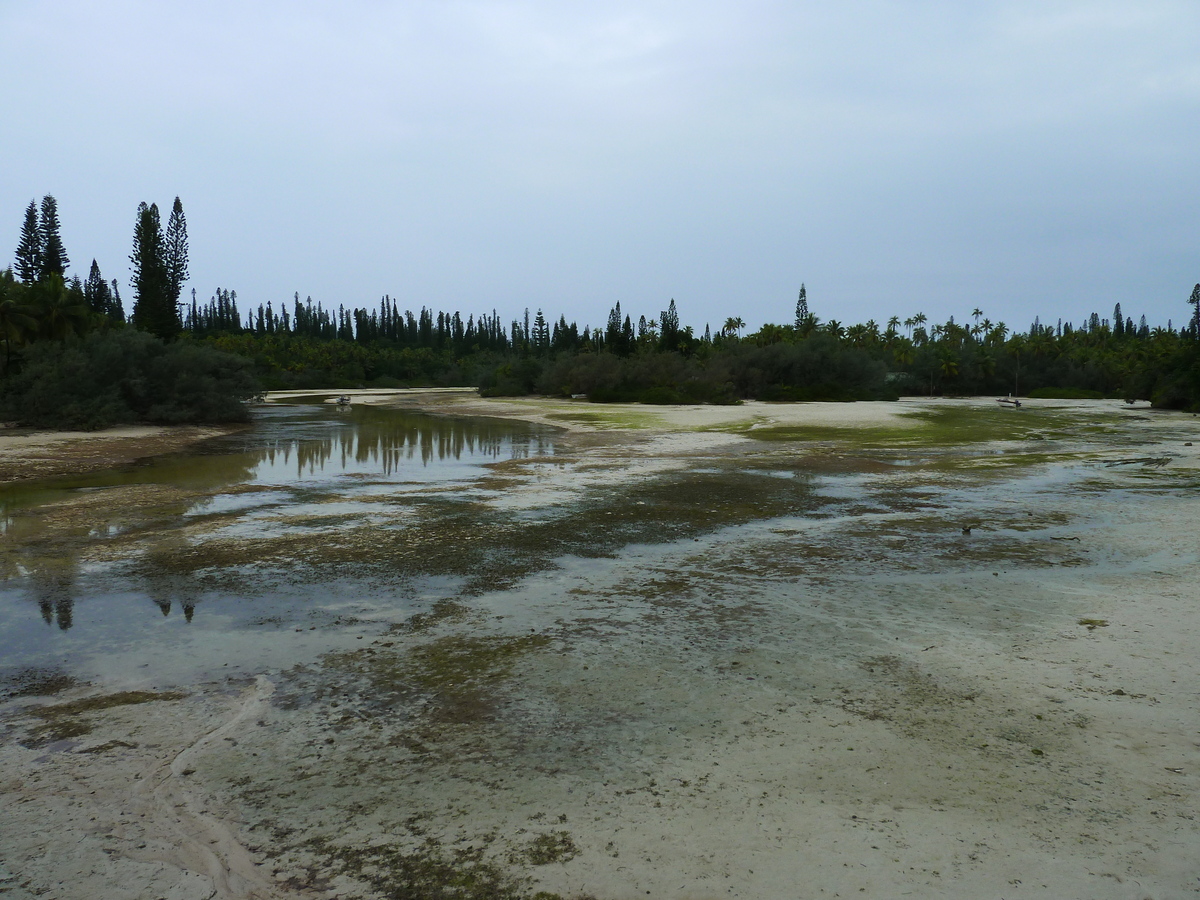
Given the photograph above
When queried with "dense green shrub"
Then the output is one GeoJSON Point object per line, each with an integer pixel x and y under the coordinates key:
{"type": "Point", "coordinates": [660, 378]}
{"type": "Point", "coordinates": [124, 377]}
{"type": "Point", "coordinates": [1065, 393]}
{"type": "Point", "coordinates": [819, 368]}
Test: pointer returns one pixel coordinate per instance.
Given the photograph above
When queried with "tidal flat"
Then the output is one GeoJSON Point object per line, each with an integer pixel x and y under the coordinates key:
{"type": "Point", "coordinates": [435, 646]}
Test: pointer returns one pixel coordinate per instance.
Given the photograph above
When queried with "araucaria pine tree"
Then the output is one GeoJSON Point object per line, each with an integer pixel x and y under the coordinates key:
{"type": "Point", "coordinates": [668, 327]}
{"type": "Point", "coordinates": [100, 296]}
{"type": "Point", "coordinates": [1195, 301]}
{"type": "Point", "coordinates": [54, 256]}
{"type": "Point", "coordinates": [29, 250]}
{"type": "Point", "coordinates": [801, 307]}
{"type": "Point", "coordinates": [177, 251]}
{"type": "Point", "coordinates": [95, 290]}
{"type": "Point", "coordinates": [154, 307]}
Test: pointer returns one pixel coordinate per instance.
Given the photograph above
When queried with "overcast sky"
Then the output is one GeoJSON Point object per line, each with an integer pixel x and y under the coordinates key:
{"type": "Point", "coordinates": [1024, 158]}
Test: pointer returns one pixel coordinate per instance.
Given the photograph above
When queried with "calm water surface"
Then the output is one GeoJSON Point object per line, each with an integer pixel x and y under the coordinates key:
{"type": "Point", "coordinates": [72, 600]}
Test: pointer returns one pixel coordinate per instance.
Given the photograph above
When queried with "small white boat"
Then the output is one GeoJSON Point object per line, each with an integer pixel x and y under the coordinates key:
{"type": "Point", "coordinates": [1009, 401]}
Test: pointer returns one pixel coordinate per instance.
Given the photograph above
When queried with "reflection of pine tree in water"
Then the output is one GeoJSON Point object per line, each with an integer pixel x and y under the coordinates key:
{"type": "Point", "coordinates": [388, 438]}
{"type": "Point", "coordinates": [166, 579]}
{"type": "Point", "coordinates": [166, 604]}
{"type": "Point", "coordinates": [53, 588]}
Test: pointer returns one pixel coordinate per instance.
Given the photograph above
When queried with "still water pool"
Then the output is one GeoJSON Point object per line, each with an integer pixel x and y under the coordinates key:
{"type": "Point", "coordinates": [160, 570]}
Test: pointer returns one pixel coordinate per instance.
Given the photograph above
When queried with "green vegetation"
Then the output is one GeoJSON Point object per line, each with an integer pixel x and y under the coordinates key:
{"type": "Point", "coordinates": [1065, 393]}
{"type": "Point", "coordinates": [658, 361]}
{"type": "Point", "coordinates": [655, 361]}
{"type": "Point", "coordinates": [124, 375]}
{"type": "Point", "coordinates": [70, 361]}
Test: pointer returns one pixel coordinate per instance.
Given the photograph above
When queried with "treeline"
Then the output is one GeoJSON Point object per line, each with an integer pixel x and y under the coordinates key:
{"type": "Point", "coordinates": [303, 344]}
{"type": "Point", "coordinates": [658, 360]}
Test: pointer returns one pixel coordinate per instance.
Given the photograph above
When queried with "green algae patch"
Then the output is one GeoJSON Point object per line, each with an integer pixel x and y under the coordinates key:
{"type": "Point", "coordinates": [454, 680]}
{"type": "Point", "coordinates": [491, 550]}
{"type": "Point", "coordinates": [544, 849]}
{"type": "Point", "coordinates": [942, 427]}
{"type": "Point", "coordinates": [622, 419]}
{"type": "Point", "coordinates": [461, 674]}
{"type": "Point", "coordinates": [68, 720]}
{"type": "Point", "coordinates": [426, 873]}
{"type": "Point", "coordinates": [443, 611]}
{"type": "Point", "coordinates": [455, 660]}
{"type": "Point", "coordinates": [36, 682]}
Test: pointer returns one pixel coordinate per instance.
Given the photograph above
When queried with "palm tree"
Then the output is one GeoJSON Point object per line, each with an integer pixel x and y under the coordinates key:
{"type": "Point", "coordinates": [857, 335]}
{"type": "Point", "coordinates": [987, 363]}
{"type": "Point", "coordinates": [60, 311]}
{"type": "Point", "coordinates": [948, 363]}
{"type": "Point", "coordinates": [1015, 347]}
{"type": "Point", "coordinates": [769, 334]}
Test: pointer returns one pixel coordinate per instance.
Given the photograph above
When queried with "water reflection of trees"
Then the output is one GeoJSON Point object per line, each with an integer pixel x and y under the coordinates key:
{"type": "Point", "coordinates": [52, 587]}
{"type": "Point", "coordinates": [43, 551]}
{"type": "Point", "coordinates": [386, 440]}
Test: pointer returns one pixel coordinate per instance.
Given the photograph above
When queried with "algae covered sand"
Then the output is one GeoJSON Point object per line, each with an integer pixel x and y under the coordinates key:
{"type": "Point", "coordinates": [946, 650]}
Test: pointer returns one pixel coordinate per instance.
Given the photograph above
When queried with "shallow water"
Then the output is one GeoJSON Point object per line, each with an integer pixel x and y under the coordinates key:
{"type": "Point", "coordinates": [84, 594]}
{"type": "Point", "coordinates": [601, 662]}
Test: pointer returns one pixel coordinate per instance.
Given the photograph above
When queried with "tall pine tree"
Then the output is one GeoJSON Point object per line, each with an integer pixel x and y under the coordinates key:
{"type": "Point", "coordinates": [154, 307]}
{"type": "Point", "coordinates": [176, 251]}
{"type": "Point", "coordinates": [96, 292]}
{"type": "Point", "coordinates": [668, 333]}
{"type": "Point", "coordinates": [29, 250]}
{"type": "Point", "coordinates": [54, 256]}
{"type": "Point", "coordinates": [802, 308]}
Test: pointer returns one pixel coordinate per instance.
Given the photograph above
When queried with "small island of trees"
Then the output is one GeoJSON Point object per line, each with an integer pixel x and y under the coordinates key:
{"type": "Point", "coordinates": [73, 358]}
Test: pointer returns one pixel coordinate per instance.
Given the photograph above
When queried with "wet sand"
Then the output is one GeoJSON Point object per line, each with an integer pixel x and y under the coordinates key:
{"type": "Point", "coordinates": [897, 663]}
{"type": "Point", "coordinates": [26, 454]}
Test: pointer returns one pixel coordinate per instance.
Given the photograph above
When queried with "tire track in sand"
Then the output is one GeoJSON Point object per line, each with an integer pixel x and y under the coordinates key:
{"type": "Point", "coordinates": [204, 843]}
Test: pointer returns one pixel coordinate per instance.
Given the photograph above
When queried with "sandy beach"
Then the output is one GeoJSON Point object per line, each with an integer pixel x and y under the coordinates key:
{"type": "Point", "coordinates": [931, 648]}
